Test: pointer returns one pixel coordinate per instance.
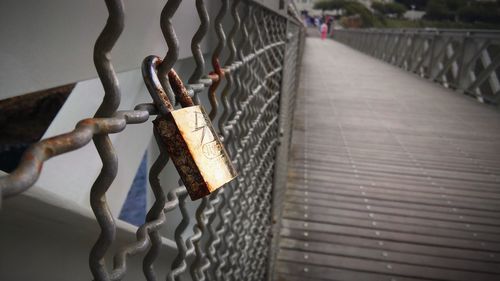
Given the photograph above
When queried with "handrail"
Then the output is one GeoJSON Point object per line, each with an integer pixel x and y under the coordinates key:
{"type": "Point", "coordinates": [464, 60]}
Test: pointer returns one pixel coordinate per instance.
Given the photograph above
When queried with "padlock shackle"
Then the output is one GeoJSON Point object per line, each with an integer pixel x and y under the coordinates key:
{"type": "Point", "coordinates": [179, 89]}
{"type": "Point", "coordinates": [155, 89]}
{"type": "Point", "coordinates": [150, 74]}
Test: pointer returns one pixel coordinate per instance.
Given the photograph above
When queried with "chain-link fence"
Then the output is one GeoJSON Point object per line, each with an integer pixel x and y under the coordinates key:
{"type": "Point", "coordinates": [251, 91]}
{"type": "Point", "coordinates": [465, 60]}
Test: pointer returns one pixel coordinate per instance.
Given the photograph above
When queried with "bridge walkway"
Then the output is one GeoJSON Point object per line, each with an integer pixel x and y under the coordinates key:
{"type": "Point", "coordinates": [392, 177]}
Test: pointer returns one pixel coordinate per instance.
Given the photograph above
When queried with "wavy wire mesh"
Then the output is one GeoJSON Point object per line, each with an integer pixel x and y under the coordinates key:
{"type": "Point", "coordinates": [232, 234]}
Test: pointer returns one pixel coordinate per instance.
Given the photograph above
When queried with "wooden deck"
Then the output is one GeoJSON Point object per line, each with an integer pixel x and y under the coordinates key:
{"type": "Point", "coordinates": [392, 177]}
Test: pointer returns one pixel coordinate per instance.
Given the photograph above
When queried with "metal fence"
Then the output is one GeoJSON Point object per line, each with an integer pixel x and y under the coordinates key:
{"type": "Point", "coordinates": [252, 98]}
{"type": "Point", "coordinates": [465, 60]}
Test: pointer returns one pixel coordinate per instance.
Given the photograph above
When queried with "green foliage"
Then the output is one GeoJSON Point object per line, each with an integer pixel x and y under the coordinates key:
{"type": "Point", "coordinates": [378, 7]}
{"type": "Point", "coordinates": [396, 8]}
{"type": "Point", "coordinates": [350, 8]}
{"type": "Point", "coordinates": [454, 5]}
{"type": "Point", "coordinates": [439, 13]}
{"type": "Point", "coordinates": [463, 10]}
{"type": "Point", "coordinates": [438, 10]}
{"type": "Point", "coordinates": [329, 4]}
{"type": "Point", "coordinates": [389, 8]}
{"type": "Point", "coordinates": [399, 23]}
{"type": "Point", "coordinates": [480, 12]}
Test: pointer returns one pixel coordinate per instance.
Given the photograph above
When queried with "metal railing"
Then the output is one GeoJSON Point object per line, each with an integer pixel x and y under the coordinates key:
{"type": "Point", "coordinates": [231, 238]}
{"type": "Point", "coordinates": [465, 60]}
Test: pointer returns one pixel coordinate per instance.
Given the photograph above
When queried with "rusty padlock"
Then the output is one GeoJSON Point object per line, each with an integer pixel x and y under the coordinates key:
{"type": "Point", "coordinates": [188, 135]}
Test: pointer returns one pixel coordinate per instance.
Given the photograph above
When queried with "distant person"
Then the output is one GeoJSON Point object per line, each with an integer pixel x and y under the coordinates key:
{"type": "Point", "coordinates": [324, 31]}
{"type": "Point", "coordinates": [329, 22]}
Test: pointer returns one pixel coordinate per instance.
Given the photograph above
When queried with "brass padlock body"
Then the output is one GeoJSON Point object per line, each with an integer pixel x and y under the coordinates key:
{"type": "Point", "coordinates": [196, 150]}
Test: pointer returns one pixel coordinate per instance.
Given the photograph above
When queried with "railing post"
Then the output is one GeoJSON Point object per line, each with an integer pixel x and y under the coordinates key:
{"type": "Point", "coordinates": [288, 90]}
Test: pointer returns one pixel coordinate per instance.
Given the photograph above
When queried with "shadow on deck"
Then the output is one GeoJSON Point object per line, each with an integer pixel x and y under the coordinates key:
{"type": "Point", "coordinates": [392, 177]}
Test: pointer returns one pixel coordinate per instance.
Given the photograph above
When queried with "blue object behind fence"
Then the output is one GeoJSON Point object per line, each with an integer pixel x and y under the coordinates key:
{"type": "Point", "coordinates": [134, 208]}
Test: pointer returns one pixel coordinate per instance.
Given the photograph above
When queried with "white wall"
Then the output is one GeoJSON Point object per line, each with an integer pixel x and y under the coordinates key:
{"type": "Point", "coordinates": [50, 43]}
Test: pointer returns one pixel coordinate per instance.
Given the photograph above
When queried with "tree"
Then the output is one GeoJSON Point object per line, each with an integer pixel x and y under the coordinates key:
{"type": "Point", "coordinates": [438, 10]}
{"type": "Point", "coordinates": [329, 5]}
{"type": "Point", "coordinates": [350, 8]}
{"type": "Point", "coordinates": [480, 12]}
{"type": "Point", "coordinates": [388, 9]}
{"type": "Point", "coordinates": [395, 9]}
{"type": "Point", "coordinates": [464, 11]}
{"type": "Point", "coordinates": [379, 7]}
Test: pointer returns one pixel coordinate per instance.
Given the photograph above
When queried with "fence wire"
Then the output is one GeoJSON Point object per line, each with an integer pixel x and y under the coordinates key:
{"type": "Point", "coordinates": [465, 60]}
{"type": "Point", "coordinates": [252, 97]}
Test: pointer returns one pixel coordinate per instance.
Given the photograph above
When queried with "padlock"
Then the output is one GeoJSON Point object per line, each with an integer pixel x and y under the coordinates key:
{"type": "Point", "coordinates": [188, 135]}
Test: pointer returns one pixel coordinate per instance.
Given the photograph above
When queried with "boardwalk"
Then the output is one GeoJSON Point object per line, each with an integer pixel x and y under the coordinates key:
{"type": "Point", "coordinates": [392, 177]}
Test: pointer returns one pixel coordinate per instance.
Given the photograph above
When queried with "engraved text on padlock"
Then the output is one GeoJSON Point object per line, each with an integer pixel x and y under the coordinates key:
{"type": "Point", "coordinates": [195, 149]}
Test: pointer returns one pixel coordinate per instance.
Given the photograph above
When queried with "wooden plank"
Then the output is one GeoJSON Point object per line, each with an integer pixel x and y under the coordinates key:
{"type": "Point", "coordinates": [426, 187]}
{"type": "Point", "coordinates": [382, 178]}
{"type": "Point", "coordinates": [372, 159]}
{"type": "Point", "coordinates": [373, 153]}
{"type": "Point", "coordinates": [325, 190]}
{"type": "Point", "coordinates": [363, 180]}
{"type": "Point", "coordinates": [372, 223]}
{"type": "Point", "coordinates": [486, 181]}
{"type": "Point", "coordinates": [485, 257]}
{"type": "Point", "coordinates": [388, 207]}
{"type": "Point", "coordinates": [301, 271]}
{"type": "Point", "coordinates": [332, 210]}
{"type": "Point", "coordinates": [289, 277]}
{"type": "Point", "coordinates": [388, 256]}
{"type": "Point", "coordinates": [398, 269]}
{"type": "Point", "coordinates": [429, 190]}
{"type": "Point", "coordinates": [394, 235]}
